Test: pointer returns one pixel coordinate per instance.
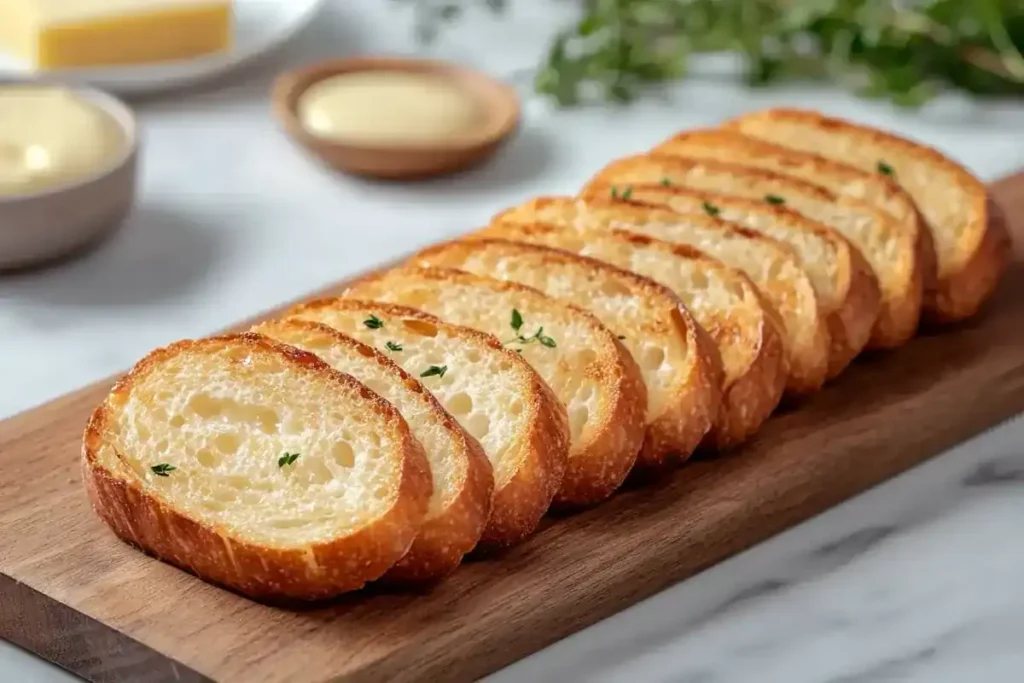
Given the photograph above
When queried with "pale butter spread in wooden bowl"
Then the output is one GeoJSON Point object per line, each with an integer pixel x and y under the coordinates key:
{"type": "Point", "coordinates": [396, 118]}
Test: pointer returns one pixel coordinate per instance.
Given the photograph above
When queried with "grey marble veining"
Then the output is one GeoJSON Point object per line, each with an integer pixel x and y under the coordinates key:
{"type": "Point", "coordinates": [918, 580]}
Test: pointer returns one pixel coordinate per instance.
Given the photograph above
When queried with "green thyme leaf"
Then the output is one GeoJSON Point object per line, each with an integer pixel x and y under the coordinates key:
{"type": "Point", "coordinates": [392, 346]}
{"type": "Point", "coordinates": [627, 193]}
{"type": "Point", "coordinates": [517, 320]}
{"type": "Point", "coordinates": [163, 469]}
{"type": "Point", "coordinates": [287, 459]}
{"type": "Point", "coordinates": [373, 322]}
{"type": "Point", "coordinates": [546, 341]}
{"type": "Point", "coordinates": [435, 371]}
{"type": "Point", "coordinates": [886, 169]}
{"type": "Point", "coordinates": [774, 199]}
{"type": "Point", "coordinates": [711, 209]}
{"type": "Point", "coordinates": [666, 182]}
{"type": "Point", "coordinates": [621, 337]}
{"type": "Point", "coordinates": [906, 52]}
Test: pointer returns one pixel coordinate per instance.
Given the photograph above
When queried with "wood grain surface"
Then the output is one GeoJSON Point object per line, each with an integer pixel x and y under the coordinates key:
{"type": "Point", "coordinates": [74, 594]}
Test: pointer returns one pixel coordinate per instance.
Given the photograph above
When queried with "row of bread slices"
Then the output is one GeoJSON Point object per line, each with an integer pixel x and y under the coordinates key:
{"type": "Point", "coordinates": [446, 404]}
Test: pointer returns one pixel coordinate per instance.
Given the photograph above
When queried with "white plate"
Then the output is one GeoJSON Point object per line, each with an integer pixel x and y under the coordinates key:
{"type": "Point", "coordinates": [260, 26]}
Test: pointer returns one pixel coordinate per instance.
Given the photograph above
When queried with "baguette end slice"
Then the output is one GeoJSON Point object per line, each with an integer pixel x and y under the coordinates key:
{"type": "Point", "coordinates": [463, 480]}
{"type": "Point", "coordinates": [537, 454]}
{"type": "Point", "coordinates": [246, 554]}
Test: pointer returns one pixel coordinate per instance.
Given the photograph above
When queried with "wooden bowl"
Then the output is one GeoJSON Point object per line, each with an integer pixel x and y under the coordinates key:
{"type": "Point", "coordinates": [407, 161]}
{"type": "Point", "coordinates": [44, 226]}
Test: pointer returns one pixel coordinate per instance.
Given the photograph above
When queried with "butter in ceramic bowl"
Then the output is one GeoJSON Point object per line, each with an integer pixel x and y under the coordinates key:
{"type": "Point", "coordinates": [67, 169]}
{"type": "Point", "coordinates": [396, 118]}
{"type": "Point", "coordinates": [61, 34]}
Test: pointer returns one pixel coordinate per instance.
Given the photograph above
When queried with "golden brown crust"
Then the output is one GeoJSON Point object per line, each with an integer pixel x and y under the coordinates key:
{"type": "Point", "coordinates": [741, 410]}
{"type": "Point", "coordinates": [450, 534]}
{"type": "Point", "coordinates": [319, 571]}
{"type": "Point", "coordinates": [808, 363]}
{"type": "Point", "coordinates": [750, 400]}
{"type": "Point", "coordinates": [597, 467]}
{"type": "Point", "coordinates": [962, 295]}
{"type": "Point", "coordinates": [729, 143]}
{"type": "Point", "coordinates": [860, 316]}
{"type": "Point", "coordinates": [959, 292]}
{"type": "Point", "coordinates": [854, 308]}
{"type": "Point", "coordinates": [543, 450]}
{"type": "Point", "coordinates": [693, 405]}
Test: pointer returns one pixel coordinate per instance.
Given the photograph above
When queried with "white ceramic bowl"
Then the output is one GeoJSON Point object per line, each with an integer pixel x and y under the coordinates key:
{"type": "Point", "coordinates": [43, 226]}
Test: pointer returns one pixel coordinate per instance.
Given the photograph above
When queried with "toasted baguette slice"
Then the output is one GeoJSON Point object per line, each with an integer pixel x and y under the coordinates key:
{"type": "Point", "coordinates": [580, 359]}
{"type": "Point", "coordinates": [848, 289]}
{"type": "Point", "coordinates": [771, 265]}
{"type": "Point", "coordinates": [972, 243]}
{"type": "Point", "coordinates": [723, 301]}
{"type": "Point", "coordinates": [843, 180]}
{"type": "Point", "coordinates": [463, 482]}
{"type": "Point", "coordinates": [185, 459]}
{"type": "Point", "coordinates": [679, 362]}
{"type": "Point", "coordinates": [492, 392]}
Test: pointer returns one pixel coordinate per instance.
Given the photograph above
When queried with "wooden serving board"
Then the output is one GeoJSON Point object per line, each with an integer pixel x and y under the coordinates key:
{"type": "Point", "coordinates": [72, 593]}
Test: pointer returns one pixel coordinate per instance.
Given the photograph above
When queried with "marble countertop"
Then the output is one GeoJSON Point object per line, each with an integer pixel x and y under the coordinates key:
{"type": "Point", "coordinates": [917, 580]}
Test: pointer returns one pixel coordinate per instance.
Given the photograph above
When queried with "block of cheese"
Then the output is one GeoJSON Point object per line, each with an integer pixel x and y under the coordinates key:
{"type": "Point", "coordinates": [60, 34]}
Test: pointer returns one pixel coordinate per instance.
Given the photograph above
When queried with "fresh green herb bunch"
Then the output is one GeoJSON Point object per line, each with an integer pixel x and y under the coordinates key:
{"type": "Point", "coordinates": [902, 50]}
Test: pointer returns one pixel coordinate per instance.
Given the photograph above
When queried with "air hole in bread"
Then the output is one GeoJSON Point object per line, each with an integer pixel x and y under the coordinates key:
{"type": "Point", "coordinates": [515, 407]}
{"type": "Point", "coordinates": [736, 289]}
{"type": "Point", "coordinates": [142, 433]}
{"type": "Point", "coordinates": [213, 505]}
{"type": "Point", "coordinates": [473, 355]}
{"type": "Point", "coordinates": [698, 280]}
{"type": "Point", "coordinates": [207, 458]}
{"type": "Point", "coordinates": [614, 288]}
{"type": "Point", "coordinates": [208, 407]}
{"type": "Point", "coordinates": [586, 357]}
{"type": "Point", "coordinates": [652, 357]}
{"type": "Point", "coordinates": [343, 454]}
{"type": "Point", "coordinates": [578, 417]}
{"type": "Point", "coordinates": [381, 492]}
{"type": "Point", "coordinates": [177, 421]}
{"type": "Point", "coordinates": [774, 270]}
{"type": "Point", "coordinates": [227, 443]}
{"type": "Point", "coordinates": [478, 424]}
{"type": "Point", "coordinates": [314, 471]}
{"type": "Point", "coordinates": [572, 243]}
{"type": "Point", "coordinates": [460, 404]}
{"type": "Point", "coordinates": [237, 482]}
{"type": "Point", "coordinates": [251, 498]}
{"type": "Point", "coordinates": [420, 327]}
{"type": "Point", "coordinates": [162, 446]}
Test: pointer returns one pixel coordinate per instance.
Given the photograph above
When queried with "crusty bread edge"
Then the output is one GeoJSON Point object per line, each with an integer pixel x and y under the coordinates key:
{"type": "Point", "coordinates": [596, 468]}
{"type": "Point", "coordinates": [258, 571]}
{"type": "Point", "coordinates": [960, 296]}
{"type": "Point", "coordinates": [446, 537]}
{"type": "Point", "coordinates": [517, 507]}
{"type": "Point", "coordinates": [675, 433]}
{"type": "Point", "coordinates": [805, 377]}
